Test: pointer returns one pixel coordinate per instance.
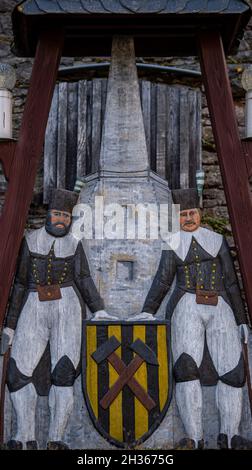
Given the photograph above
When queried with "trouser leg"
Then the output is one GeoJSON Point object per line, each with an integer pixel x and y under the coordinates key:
{"type": "Point", "coordinates": [29, 343]}
{"type": "Point", "coordinates": [189, 402]}
{"type": "Point", "coordinates": [24, 403]}
{"type": "Point", "coordinates": [188, 335]}
{"type": "Point", "coordinates": [65, 343]}
{"type": "Point", "coordinates": [229, 403]}
{"type": "Point", "coordinates": [225, 348]}
{"type": "Point", "coordinates": [61, 405]}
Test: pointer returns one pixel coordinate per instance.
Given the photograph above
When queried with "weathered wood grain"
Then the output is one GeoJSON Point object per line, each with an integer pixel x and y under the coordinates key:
{"type": "Point", "coordinates": [82, 129]}
{"type": "Point", "coordinates": [153, 127]}
{"type": "Point", "coordinates": [146, 107]}
{"type": "Point", "coordinates": [193, 142]}
{"type": "Point", "coordinates": [173, 124]}
{"type": "Point", "coordinates": [72, 135]}
{"type": "Point", "coordinates": [7, 150]}
{"type": "Point", "coordinates": [184, 130]}
{"type": "Point", "coordinates": [96, 123]}
{"type": "Point", "coordinates": [89, 127]}
{"type": "Point", "coordinates": [161, 155]}
{"type": "Point", "coordinates": [247, 149]}
{"type": "Point", "coordinates": [50, 148]}
{"type": "Point", "coordinates": [62, 135]}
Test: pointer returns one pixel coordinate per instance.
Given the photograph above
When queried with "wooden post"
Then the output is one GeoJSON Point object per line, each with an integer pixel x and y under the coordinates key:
{"type": "Point", "coordinates": [247, 149]}
{"type": "Point", "coordinates": [26, 158]}
{"type": "Point", "coordinates": [7, 150]}
{"type": "Point", "coordinates": [229, 149]}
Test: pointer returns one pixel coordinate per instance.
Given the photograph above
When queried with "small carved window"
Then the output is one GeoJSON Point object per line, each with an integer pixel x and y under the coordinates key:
{"type": "Point", "coordinates": [125, 270]}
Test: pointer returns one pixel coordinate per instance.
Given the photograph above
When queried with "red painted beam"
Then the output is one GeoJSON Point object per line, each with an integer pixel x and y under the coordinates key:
{"type": "Point", "coordinates": [247, 150]}
{"type": "Point", "coordinates": [26, 158]}
{"type": "Point", "coordinates": [7, 150]}
{"type": "Point", "coordinates": [229, 150]}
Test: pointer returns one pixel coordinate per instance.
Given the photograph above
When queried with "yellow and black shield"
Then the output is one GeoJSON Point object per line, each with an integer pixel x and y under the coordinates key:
{"type": "Point", "coordinates": [127, 378]}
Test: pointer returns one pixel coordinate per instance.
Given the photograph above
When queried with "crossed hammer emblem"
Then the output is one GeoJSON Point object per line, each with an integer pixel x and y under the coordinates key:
{"type": "Point", "coordinates": [126, 372]}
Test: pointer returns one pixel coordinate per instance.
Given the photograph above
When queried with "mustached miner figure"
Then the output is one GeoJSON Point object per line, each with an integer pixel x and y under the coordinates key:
{"type": "Point", "coordinates": [208, 321]}
{"type": "Point", "coordinates": [52, 286]}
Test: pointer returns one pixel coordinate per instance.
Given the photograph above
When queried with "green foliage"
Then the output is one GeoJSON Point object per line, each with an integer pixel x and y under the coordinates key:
{"type": "Point", "coordinates": [218, 224]}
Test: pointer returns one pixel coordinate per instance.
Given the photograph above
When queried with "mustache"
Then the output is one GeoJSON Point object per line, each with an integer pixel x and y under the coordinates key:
{"type": "Point", "coordinates": [59, 223]}
{"type": "Point", "coordinates": [189, 223]}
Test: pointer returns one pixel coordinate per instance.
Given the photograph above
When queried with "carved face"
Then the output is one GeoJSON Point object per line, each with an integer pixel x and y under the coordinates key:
{"type": "Point", "coordinates": [58, 222]}
{"type": "Point", "coordinates": [190, 220]}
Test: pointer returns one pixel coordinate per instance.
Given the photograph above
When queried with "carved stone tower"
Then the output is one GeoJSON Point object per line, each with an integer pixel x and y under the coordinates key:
{"type": "Point", "coordinates": [124, 266]}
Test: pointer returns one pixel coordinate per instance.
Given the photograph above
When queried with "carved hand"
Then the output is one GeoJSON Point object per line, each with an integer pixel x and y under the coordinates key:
{"type": "Point", "coordinates": [244, 333]}
{"type": "Point", "coordinates": [145, 316]}
{"type": "Point", "coordinates": [10, 333]}
{"type": "Point", "coordinates": [103, 315]}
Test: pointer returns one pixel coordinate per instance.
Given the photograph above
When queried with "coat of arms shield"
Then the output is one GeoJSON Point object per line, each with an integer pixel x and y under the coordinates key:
{"type": "Point", "coordinates": [127, 378]}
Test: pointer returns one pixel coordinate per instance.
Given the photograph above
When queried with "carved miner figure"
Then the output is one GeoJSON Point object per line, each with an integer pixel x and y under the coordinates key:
{"type": "Point", "coordinates": [208, 321]}
{"type": "Point", "coordinates": [47, 304]}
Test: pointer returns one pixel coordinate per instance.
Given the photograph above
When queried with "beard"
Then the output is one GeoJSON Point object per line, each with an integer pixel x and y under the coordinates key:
{"type": "Point", "coordinates": [55, 231]}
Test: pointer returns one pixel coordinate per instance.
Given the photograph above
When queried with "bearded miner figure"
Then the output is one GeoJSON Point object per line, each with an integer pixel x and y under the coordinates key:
{"type": "Point", "coordinates": [52, 285]}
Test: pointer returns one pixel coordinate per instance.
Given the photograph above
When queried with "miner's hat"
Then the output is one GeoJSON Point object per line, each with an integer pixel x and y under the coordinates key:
{"type": "Point", "coordinates": [187, 198]}
{"type": "Point", "coordinates": [63, 200]}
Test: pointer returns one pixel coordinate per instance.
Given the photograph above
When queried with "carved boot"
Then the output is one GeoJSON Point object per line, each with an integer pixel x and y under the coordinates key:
{"type": "Point", "coordinates": [201, 444]}
{"type": "Point", "coordinates": [57, 445]}
{"type": "Point", "coordinates": [222, 441]}
{"type": "Point", "coordinates": [189, 444]}
{"type": "Point", "coordinates": [14, 445]}
{"type": "Point", "coordinates": [31, 445]}
{"type": "Point", "coordinates": [240, 443]}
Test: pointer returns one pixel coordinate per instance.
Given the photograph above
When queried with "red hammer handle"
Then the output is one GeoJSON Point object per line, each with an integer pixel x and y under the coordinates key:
{"type": "Point", "coordinates": [128, 372]}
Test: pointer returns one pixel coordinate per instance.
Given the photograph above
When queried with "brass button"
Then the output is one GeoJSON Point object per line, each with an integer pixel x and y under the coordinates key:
{"type": "Point", "coordinates": [49, 294]}
{"type": "Point", "coordinates": [206, 296]}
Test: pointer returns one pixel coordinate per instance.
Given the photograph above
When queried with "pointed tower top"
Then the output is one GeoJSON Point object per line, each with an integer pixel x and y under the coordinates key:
{"type": "Point", "coordinates": [123, 147]}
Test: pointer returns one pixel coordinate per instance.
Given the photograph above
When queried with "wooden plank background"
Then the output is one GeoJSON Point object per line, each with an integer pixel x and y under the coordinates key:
{"type": "Point", "coordinates": [172, 121]}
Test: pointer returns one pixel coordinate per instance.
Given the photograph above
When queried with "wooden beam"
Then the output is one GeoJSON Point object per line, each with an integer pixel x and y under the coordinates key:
{"type": "Point", "coordinates": [7, 150]}
{"type": "Point", "coordinates": [26, 158]}
{"type": "Point", "coordinates": [247, 150]}
{"type": "Point", "coordinates": [229, 150]}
